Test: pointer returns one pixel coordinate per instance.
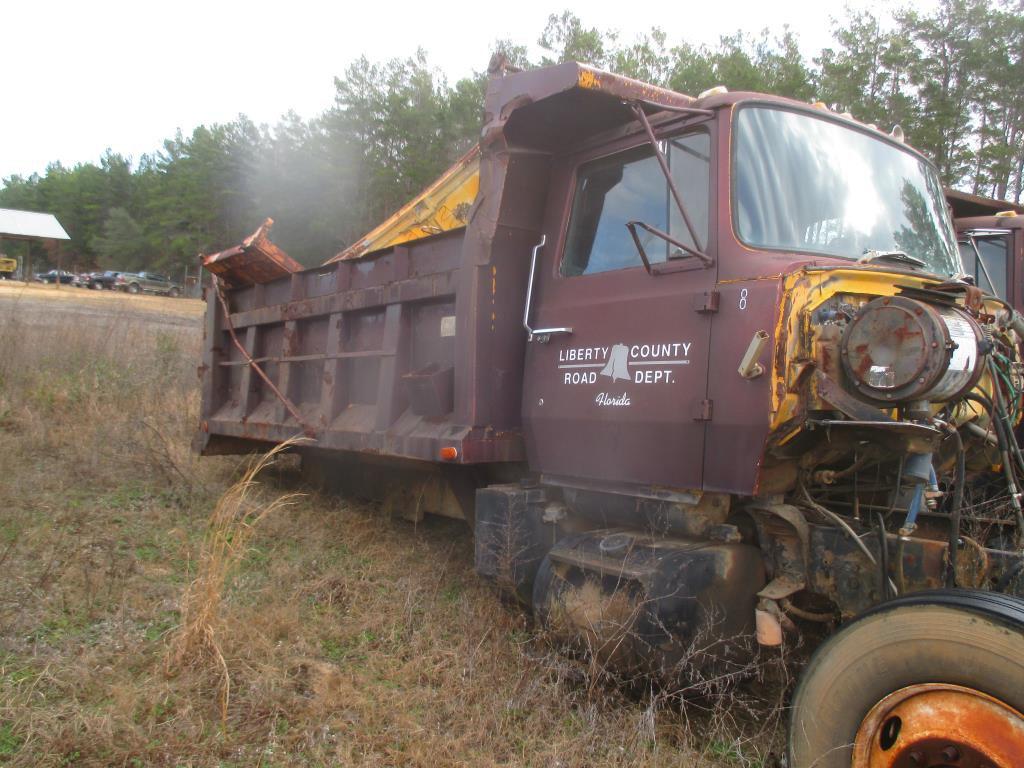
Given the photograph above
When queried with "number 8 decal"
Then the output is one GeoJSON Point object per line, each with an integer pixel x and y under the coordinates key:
{"type": "Point", "coordinates": [743, 298]}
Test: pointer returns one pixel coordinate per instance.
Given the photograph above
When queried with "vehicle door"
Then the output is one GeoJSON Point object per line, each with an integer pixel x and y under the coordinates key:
{"type": "Point", "coordinates": [615, 387]}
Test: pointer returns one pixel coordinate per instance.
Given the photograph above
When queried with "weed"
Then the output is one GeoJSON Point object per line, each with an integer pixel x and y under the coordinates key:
{"type": "Point", "coordinates": [230, 528]}
{"type": "Point", "coordinates": [147, 551]}
{"type": "Point", "coordinates": [333, 648]}
{"type": "Point", "coordinates": [452, 593]}
{"type": "Point", "coordinates": [158, 628]}
{"type": "Point", "coordinates": [10, 742]}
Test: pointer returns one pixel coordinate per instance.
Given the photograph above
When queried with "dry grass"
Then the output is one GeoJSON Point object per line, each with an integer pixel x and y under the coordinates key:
{"type": "Point", "coordinates": [348, 638]}
{"type": "Point", "coordinates": [229, 532]}
{"type": "Point", "coordinates": [108, 302]}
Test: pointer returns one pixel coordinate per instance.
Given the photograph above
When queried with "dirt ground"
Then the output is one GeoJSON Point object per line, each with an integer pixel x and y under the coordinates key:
{"type": "Point", "coordinates": [151, 615]}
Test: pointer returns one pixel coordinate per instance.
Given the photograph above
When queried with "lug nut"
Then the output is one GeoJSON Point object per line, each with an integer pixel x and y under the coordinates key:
{"type": "Point", "coordinates": [916, 758]}
{"type": "Point", "coordinates": [951, 754]}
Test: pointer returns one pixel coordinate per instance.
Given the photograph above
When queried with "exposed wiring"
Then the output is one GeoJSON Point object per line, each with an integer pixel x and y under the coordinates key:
{"type": "Point", "coordinates": [958, 502]}
{"type": "Point", "coordinates": [883, 549]}
{"type": "Point", "coordinates": [800, 613]}
{"type": "Point", "coordinates": [845, 526]}
{"type": "Point", "coordinates": [1005, 440]}
{"type": "Point", "coordinates": [1008, 447]}
{"type": "Point", "coordinates": [901, 576]}
{"type": "Point", "coordinates": [857, 464]}
{"type": "Point", "coordinates": [1010, 574]}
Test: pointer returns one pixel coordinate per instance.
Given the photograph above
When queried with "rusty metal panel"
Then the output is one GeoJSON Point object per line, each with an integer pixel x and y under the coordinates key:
{"type": "Point", "coordinates": [255, 260]}
{"type": "Point", "coordinates": [622, 399]}
{"type": "Point", "coordinates": [740, 426]}
{"type": "Point", "coordinates": [338, 342]}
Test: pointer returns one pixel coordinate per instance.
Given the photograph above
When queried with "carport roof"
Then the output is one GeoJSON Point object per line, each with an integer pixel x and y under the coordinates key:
{"type": "Point", "coordinates": [30, 225]}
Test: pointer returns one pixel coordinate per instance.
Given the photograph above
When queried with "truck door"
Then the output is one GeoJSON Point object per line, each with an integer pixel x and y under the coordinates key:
{"type": "Point", "coordinates": [615, 388]}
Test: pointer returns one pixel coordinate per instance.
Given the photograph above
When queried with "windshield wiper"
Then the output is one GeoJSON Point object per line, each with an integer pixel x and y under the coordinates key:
{"type": "Point", "coordinates": [871, 255]}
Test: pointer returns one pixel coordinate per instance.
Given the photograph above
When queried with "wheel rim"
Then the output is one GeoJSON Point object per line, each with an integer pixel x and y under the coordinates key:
{"type": "Point", "coordinates": [935, 725]}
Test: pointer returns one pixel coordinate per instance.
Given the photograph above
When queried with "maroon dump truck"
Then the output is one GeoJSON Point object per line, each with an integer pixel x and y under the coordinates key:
{"type": "Point", "coordinates": [699, 373]}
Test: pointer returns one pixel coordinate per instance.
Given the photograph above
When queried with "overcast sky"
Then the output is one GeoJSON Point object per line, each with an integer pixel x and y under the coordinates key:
{"type": "Point", "coordinates": [79, 77]}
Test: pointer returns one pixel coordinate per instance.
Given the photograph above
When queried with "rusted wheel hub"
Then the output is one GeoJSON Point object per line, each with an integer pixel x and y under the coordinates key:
{"type": "Point", "coordinates": [935, 725]}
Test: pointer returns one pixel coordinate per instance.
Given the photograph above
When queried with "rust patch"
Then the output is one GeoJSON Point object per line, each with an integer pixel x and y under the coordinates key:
{"type": "Point", "coordinates": [588, 79]}
{"type": "Point", "coordinates": [255, 260]}
{"type": "Point", "coordinates": [936, 724]}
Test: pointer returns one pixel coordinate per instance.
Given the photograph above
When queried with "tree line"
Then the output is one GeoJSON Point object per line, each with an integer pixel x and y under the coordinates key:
{"type": "Point", "coordinates": [953, 79]}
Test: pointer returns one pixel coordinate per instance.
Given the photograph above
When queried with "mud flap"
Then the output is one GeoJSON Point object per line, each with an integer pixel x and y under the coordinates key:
{"type": "Point", "coordinates": [511, 537]}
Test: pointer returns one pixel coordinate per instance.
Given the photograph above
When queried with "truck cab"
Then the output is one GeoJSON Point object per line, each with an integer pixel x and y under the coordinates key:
{"type": "Point", "coordinates": [651, 285]}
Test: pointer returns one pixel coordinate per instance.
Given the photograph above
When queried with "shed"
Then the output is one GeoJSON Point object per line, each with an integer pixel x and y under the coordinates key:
{"type": "Point", "coordinates": [29, 226]}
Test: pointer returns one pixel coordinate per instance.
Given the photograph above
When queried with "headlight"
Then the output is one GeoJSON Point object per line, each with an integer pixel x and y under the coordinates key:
{"type": "Point", "coordinates": [899, 349]}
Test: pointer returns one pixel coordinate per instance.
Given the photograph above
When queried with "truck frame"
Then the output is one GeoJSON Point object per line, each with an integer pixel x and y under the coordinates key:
{"type": "Point", "coordinates": [697, 371]}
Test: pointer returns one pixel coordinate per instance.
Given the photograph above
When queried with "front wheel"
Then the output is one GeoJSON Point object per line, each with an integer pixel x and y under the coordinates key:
{"type": "Point", "coordinates": [173, 293]}
{"type": "Point", "coordinates": [134, 288]}
{"type": "Point", "coordinates": [931, 679]}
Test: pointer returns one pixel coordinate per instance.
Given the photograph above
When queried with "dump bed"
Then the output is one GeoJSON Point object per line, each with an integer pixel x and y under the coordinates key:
{"type": "Point", "coordinates": [362, 352]}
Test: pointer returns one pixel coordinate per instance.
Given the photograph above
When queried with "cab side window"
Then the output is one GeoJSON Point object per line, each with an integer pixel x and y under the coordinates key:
{"type": "Point", "coordinates": [629, 186]}
{"type": "Point", "coordinates": [994, 253]}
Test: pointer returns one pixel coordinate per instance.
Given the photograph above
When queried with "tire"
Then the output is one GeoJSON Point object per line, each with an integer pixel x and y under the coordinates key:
{"type": "Point", "coordinates": [134, 288]}
{"type": "Point", "coordinates": [173, 293]}
{"type": "Point", "coordinates": [965, 638]}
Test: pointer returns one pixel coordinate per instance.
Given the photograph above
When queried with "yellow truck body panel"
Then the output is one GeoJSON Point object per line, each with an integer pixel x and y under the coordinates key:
{"type": "Point", "coordinates": [441, 207]}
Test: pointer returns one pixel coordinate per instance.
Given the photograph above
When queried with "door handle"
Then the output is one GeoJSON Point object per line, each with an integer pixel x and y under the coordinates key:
{"type": "Point", "coordinates": [543, 335]}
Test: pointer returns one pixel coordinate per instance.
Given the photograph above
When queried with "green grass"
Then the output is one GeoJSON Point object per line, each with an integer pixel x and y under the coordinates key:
{"type": "Point", "coordinates": [10, 742]}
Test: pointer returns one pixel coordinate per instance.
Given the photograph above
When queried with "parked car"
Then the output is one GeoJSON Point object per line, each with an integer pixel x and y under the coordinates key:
{"type": "Point", "coordinates": [104, 281]}
{"type": "Point", "coordinates": [56, 275]}
{"type": "Point", "coordinates": [147, 282]}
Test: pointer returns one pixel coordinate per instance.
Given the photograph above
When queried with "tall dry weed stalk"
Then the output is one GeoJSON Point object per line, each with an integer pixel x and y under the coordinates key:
{"type": "Point", "coordinates": [231, 528]}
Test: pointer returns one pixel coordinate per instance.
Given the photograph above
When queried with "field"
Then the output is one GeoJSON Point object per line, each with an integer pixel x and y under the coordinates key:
{"type": "Point", "coordinates": [156, 610]}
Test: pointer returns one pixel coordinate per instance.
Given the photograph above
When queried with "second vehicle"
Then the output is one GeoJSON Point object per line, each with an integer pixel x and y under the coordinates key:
{"type": "Point", "coordinates": [147, 282]}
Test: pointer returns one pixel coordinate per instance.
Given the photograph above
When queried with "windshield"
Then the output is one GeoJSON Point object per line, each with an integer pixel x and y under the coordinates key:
{"type": "Point", "coordinates": [805, 183]}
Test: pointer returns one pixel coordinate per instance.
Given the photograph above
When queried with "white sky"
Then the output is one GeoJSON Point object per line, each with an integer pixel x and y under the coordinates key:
{"type": "Point", "coordinates": [78, 77]}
